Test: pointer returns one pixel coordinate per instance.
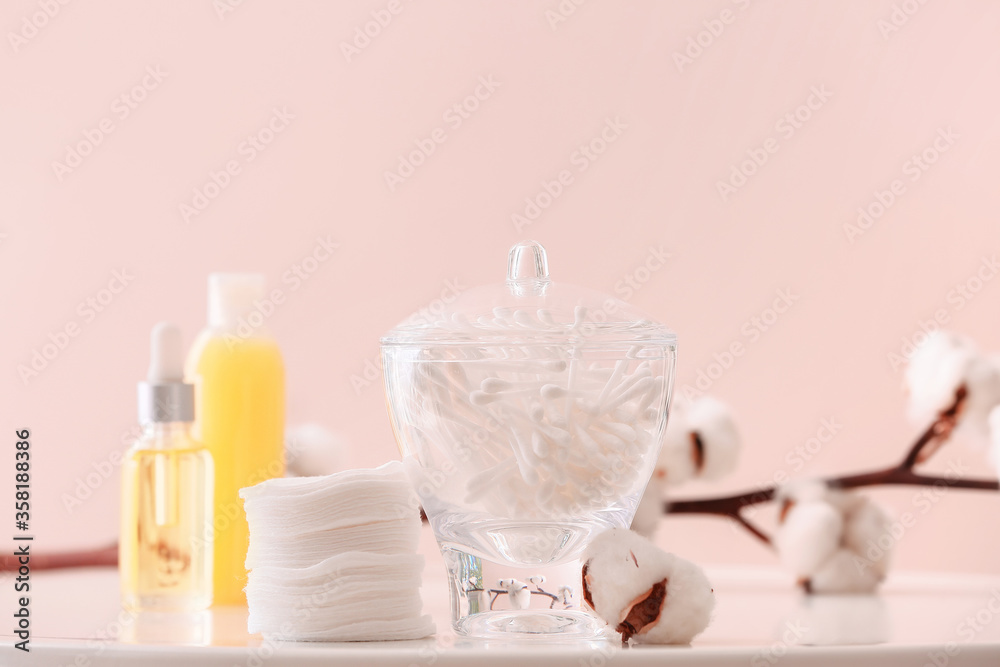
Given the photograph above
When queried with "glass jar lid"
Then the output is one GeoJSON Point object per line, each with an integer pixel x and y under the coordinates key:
{"type": "Point", "coordinates": [530, 308]}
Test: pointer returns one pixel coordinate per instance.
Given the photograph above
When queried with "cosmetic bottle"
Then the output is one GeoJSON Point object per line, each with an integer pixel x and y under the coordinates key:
{"type": "Point", "coordinates": [239, 380]}
{"type": "Point", "coordinates": [165, 549]}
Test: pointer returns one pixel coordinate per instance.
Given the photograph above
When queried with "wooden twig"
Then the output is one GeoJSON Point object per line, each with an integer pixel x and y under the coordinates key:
{"type": "Point", "coordinates": [103, 557]}
{"type": "Point", "coordinates": [542, 591]}
{"type": "Point", "coordinates": [498, 592]}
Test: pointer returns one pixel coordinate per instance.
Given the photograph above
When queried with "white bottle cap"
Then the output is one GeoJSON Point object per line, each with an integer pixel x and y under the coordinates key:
{"type": "Point", "coordinates": [166, 358]}
{"type": "Point", "coordinates": [231, 296]}
{"type": "Point", "coordinates": [164, 397]}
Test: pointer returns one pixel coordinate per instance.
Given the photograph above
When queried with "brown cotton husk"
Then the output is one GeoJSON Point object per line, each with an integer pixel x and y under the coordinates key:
{"type": "Point", "coordinates": [786, 507]}
{"type": "Point", "coordinates": [644, 610]}
{"type": "Point", "coordinates": [587, 597]}
{"type": "Point", "coordinates": [697, 451]}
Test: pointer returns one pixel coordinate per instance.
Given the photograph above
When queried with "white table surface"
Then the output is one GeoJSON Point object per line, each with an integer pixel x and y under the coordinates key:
{"type": "Point", "coordinates": [917, 620]}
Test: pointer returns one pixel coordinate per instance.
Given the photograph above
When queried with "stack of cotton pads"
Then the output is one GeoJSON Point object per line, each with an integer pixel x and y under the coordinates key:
{"type": "Point", "coordinates": [334, 558]}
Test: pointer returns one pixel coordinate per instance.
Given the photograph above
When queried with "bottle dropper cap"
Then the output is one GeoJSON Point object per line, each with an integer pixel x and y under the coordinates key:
{"type": "Point", "coordinates": [164, 397]}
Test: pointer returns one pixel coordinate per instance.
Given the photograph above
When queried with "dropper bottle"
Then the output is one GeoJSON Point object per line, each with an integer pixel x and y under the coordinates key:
{"type": "Point", "coordinates": [165, 550]}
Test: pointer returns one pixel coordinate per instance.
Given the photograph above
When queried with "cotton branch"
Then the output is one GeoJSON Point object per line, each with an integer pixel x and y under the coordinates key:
{"type": "Point", "coordinates": [105, 556]}
{"type": "Point", "coordinates": [929, 442]}
{"type": "Point", "coordinates": [496, 592]}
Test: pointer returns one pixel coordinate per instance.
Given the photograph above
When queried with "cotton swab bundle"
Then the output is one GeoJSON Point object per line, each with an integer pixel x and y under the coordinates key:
{"type": "Point", "coordinates": [531, 429]}
{"type": "Point", "coordinates": [334, 558]}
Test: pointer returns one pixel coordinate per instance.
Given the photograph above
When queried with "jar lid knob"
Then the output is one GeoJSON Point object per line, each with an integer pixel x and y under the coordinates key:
{"type": "Point", "coordinates": [527, 268]}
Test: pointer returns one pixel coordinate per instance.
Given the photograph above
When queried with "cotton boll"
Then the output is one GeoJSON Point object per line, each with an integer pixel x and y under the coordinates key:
{"type": "Point", "coordinates": [982, 380]}
{"type": "Point", "coordinates": [312, 450]}
{"type": "Point", "coordinates": [676, 462]}
{"type": "Point", "coordinates": [712, 421]}
{"type": "Point", "coordinates": [517, 593]}
{"type": "Point", "coordinates": [520, 598]}
{"type": "Point", "coordinates": [845, 572]}
{"type": "Point", "coordinates": [612, 576]}
{"type": "Point", "coordinates": [701, 440]}
{"type": "Point", "coordinates": [827, 535]}
{"type": "Point", "coordinates": [936, 370]}
{"type": "Point", "coordinates": [846, 502]}
{"type": "Point", "coordinates": [943, 363]}
{"type": "Point", "coordinates": [994, 421]}
{"type": "Point", "coordinates": [866, 525]}
{"type": "Point", "coordinates": [650, 510]}
{"type": "Point", "coordinates": [809, 535]}
{"type": "Point", "coordinates": [645, 593]}
{"type": "Point", "coordinates": [687, 610]}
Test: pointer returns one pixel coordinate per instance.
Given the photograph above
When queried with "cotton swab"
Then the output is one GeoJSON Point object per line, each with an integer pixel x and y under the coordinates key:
{"type": "Point", "coordinates": [480, 483]}
{"type": "Point", "coordinates": [643, 385]}
{"type": "Point", "coordinates": [623, 431]}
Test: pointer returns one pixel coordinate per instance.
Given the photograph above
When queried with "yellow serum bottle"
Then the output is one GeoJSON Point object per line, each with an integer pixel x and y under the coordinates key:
{"type": "Point", "coordinates": [165, 549]}
{"type": "Point", "coordinates": [239, 379]}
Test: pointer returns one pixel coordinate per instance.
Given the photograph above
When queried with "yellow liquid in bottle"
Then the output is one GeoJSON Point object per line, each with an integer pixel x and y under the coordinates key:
{"type": "Point", "coordinates": [165, 551]}
{"type": "Point", "coordinates": [240, 412]}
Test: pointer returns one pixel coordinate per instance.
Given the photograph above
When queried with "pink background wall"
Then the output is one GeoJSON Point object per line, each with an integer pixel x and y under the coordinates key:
{"type": "Point", "coordinates": [880, 93]}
